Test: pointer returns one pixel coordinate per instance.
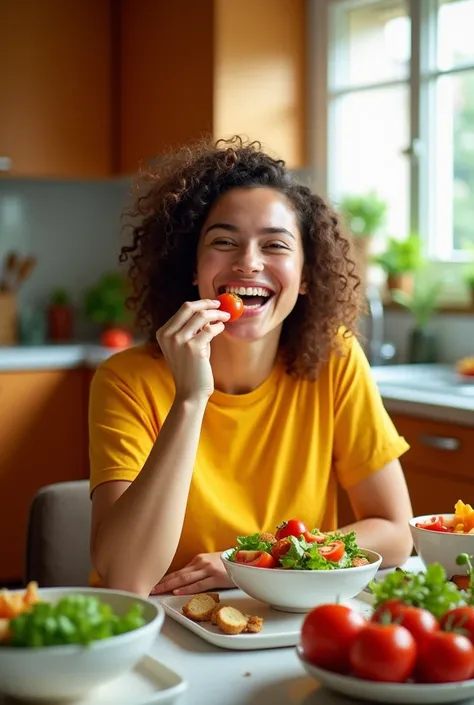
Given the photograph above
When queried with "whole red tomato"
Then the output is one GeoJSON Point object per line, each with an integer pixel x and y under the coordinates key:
{"type": "Point", "coordinates": [420, 623]}
{"type": "Point", "coordinates": [459, 619]}
{"type": "Point", "coordinates": [446, 658]}
{"type": "Point", "coordinates": [293, 527]}
{"type": "Point", "coordinates": [328, 633]}
{"type": "Point", "coordinates": [384, 652]}
{"type": "Point", "coordinates": [233, 304]}
{"type": "Point", "coordinates": [116, 338]}
{"type": "Point", "coordinates": [389, 611]}
{"type": "Point", "coordinates": [257, 559]}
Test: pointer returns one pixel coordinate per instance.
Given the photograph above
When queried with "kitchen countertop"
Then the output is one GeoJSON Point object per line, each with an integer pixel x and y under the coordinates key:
{"type": "Point", "coordinates": [430, 391]}
{"type": "Point", "coordinates": [52, 357]}
{"type": "Point", "coordinates": [264, 677]}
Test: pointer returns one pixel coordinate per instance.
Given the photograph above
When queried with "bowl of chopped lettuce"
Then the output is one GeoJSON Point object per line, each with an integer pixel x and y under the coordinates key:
{"type": "Point", "coordinates": [294, 572]}
{"type": "Point", "coordinates": [60, 643]}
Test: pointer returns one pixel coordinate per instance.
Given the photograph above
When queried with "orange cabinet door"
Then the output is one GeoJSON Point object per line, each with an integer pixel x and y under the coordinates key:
{"type": "Point", "coordinates": [56, 88]}
{"type": "Point", "coordinates": [42, 440]}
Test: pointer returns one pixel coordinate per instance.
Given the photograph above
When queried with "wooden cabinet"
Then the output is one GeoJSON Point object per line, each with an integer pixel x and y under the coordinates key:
{"type": "Point", "coordinates": [218, 67]}
{"type": "Point", "coordinates": [56, 88]}
{"type": "Point", "coordinates": [43, 439]}
{"type": "Point", "coordinates": [439, 467]}
{"type": "Point", "coordinates": [91, 88]}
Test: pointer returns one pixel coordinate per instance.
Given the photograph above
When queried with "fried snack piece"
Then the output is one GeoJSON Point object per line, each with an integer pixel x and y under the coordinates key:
{"type": "Point", "coordinates": [254, 624]}
{"type": "Point", "coordinates": [358, 561]}
{"type": "Point", "coordinates": [12, 605]}
{"type": "Point", "coordinates": [231, 620]}
{"type": "Point", "coordinates": [200, 607]}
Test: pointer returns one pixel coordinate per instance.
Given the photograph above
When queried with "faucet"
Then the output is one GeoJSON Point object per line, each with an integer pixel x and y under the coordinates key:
{"type": "Point", "coordinates": [379, 352]}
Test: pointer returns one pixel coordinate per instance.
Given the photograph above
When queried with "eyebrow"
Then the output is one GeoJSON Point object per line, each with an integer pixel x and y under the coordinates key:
{"type": "Point", "coordinates": [262, 231]}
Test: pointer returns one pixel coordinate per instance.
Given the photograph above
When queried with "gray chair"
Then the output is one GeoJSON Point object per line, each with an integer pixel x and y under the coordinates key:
{"type": "Point", "coordinates": [57, 551]}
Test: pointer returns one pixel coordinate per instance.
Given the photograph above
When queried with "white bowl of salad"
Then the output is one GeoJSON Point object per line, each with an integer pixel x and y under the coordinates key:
{"type": "Point", "coordinates": [60, 643]}
{"type": "Point", "coordinates": [440, 538]}
{"type": "Point", "coordinates": [294, 570]}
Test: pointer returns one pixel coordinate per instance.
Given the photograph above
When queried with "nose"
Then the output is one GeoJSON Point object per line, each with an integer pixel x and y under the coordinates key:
{"type": "Point", "coordinates": [248, 260]}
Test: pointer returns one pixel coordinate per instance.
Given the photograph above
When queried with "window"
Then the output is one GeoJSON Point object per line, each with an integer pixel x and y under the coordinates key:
{"type": "Point", "coordinates": [400, 97]}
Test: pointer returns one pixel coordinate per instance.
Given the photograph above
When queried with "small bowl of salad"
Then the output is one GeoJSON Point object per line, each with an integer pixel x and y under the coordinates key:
{"type": "Point", "coordinates": [440, 538]}
{"type": "Point", "coordinates": [295, 569]}
{"type": "Point", "coordinates": [60, 643]}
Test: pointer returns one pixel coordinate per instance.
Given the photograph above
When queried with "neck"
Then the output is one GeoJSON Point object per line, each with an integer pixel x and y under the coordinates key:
{"type": "Point", "coordinates": [240, 366]}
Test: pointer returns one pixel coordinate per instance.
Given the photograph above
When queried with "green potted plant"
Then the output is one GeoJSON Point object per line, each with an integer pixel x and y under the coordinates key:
{"type": "Point", "coordinates": [400, 260]}
{"type": "Point", "coordinates": [364, 215]}
{"type": "Point", "coordinates": [105, 305]}
{"type": "Point", "coordinates": [421, 303]}
{"type": "Point", "coordinates": [60, 315]}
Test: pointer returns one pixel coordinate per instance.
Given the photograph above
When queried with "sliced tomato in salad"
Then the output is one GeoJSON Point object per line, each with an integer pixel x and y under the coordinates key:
{"type": "Point", "coordinates": [258, 559]}
{"type": "Point", "coordinates": [333, 551]}
{"type": "Point", "coordinates": [280, 548]}
{"type": "Point", "coordinates": [314, 538]}
{"type": "Point", "coordinates": [434, 524]}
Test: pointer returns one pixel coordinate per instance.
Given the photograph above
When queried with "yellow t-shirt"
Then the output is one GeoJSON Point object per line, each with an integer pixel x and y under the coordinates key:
{"type": "Point", "coordinates": [275, 453]}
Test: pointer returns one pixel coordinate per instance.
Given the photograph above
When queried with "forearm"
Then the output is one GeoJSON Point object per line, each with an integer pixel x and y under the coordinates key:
{"type": "Point", "coordinates": [137, 539]}
{"type": "Point", "coordinates": [392, 540]}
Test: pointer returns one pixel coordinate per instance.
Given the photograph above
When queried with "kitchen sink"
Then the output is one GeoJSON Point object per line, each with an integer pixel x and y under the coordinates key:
{"type": "Point", "coordinates": [437, 379]}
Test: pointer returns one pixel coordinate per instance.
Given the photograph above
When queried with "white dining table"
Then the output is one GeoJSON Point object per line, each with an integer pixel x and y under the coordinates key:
{"type": "Point", "coordinates": [217, 676]}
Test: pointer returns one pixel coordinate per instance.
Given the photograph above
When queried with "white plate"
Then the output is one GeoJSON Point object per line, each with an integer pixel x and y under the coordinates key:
{"type": "Point", "coordinates": [279, 628]}
{"type": "Point", "coordinates": [149, 683]}
{"type": "Point", "coordinates": [418, 694]}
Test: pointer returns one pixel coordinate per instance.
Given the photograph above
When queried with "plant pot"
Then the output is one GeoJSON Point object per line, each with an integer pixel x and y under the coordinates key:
{"type": "Point", "coordinates": [116, 337]}
{"type": "Point", "coordinates": [422, 346]}
{"type": "Point", "coordinates": [8, 318]}
{"type": "Point", "coordinates": [60, 323]}
{"type": "Point", "coordinates": [403, 282]}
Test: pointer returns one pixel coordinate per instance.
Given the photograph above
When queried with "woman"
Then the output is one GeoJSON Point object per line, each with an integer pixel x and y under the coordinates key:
{"type": "Point", "coordinates": [216, 429]}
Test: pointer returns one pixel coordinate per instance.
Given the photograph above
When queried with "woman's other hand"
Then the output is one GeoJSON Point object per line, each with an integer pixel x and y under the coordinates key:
{"type": "Point", "coordinates": [185, 341]}
{"type": "Point", "coordinates": [205, 572]}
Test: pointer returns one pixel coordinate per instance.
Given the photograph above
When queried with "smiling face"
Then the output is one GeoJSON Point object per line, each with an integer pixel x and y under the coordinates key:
{"type": "Point", "coordinates": [251, 245]}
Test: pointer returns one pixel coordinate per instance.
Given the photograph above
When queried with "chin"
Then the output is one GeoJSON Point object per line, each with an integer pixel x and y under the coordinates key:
{"type": "Point", "coordinates": [248, 331]}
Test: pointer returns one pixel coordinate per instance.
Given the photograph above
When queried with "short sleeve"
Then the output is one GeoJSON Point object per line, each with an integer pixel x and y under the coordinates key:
{"type": "Point", "coordinates": [121, 433]}
{"type": "Point", "coordinates": [365, 438]}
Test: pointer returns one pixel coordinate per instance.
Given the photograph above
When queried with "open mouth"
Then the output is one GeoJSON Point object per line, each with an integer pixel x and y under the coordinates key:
{"type": "Point", "coordinates": [253, 297]}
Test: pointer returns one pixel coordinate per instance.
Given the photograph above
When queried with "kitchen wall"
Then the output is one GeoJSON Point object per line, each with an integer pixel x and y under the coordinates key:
{"type": "Point", "coordinates": [455, 334]}
{"type": "Point", "coordinates": [72, 227]}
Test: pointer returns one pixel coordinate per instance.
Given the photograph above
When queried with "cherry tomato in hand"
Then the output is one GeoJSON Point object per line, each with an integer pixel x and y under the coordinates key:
{"type": "Point", "coordinates": [460, 620]}
{"type": "Point", "coordinates": [294, 527]}
{"type": "Point", "coordinates": [333, 551]}
{"type": "Point", "coordinates": [446, 658]}
{"type": "Point", "coordinates": [328, 633]}
{"type": "Point", "coordinates": [233, 304]}
{"type": "Point", "coordinates": [257, 559]}
{"type": "Point", "coordinates": [385, 653]}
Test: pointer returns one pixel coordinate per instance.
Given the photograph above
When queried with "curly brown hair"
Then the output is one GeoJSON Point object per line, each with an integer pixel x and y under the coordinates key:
{"type": "Point", "coordinates": [174, 199]}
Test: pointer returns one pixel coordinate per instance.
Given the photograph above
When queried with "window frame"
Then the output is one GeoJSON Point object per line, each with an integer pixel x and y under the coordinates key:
{"type": "Point", "coordinates": [324, 20]}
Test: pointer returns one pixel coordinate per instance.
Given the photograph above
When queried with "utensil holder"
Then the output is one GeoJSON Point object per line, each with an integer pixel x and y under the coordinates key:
{"type": "Point", "coordinates": [8, 318]}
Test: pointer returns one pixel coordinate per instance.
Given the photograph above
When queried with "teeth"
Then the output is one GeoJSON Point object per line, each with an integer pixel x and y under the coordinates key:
{"type": "Point", "coordinates": [248, 291]}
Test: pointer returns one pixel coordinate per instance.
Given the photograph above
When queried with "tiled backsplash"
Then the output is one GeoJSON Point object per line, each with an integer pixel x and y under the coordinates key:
{"type": "Point", "coordinates": [74, 229]}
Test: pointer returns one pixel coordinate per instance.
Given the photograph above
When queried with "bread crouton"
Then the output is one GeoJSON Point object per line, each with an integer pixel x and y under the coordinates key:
{"type": "Point", "coordinates": [254, 624]}
{"type": "Point", "coordinates": [200, 607]}
{"type": "Point", "coordinates": [231, 620]}
{"type": "Point", "coordinates": [358, 561]}
{"type": "Point", "coordinates": [267, 536]}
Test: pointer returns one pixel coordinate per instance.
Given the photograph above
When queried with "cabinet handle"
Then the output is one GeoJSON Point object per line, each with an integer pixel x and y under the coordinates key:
{"type": "Point", "coordinates": [5, 164]}
{"type": "Point", "coordinates": [441, 442]}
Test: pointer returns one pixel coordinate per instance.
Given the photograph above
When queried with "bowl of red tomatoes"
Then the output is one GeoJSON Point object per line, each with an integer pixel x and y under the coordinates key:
{"type": "Point", "coordinates": [440, 538]}
{"type": "Point", "coordinates": [417, 644]}
{"type": "Point", "coordinates": [295, 568]}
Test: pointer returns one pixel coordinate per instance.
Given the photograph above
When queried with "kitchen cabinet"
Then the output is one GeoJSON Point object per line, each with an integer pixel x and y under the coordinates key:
{"type": "Point", "coordinates": [43, 439]}
{"type": "Point", "coordinates": [218, 67]}
{"type": "Point", "coordinates": [438, 467]}
{"type": "Point", "coordinates": [56, 88]}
